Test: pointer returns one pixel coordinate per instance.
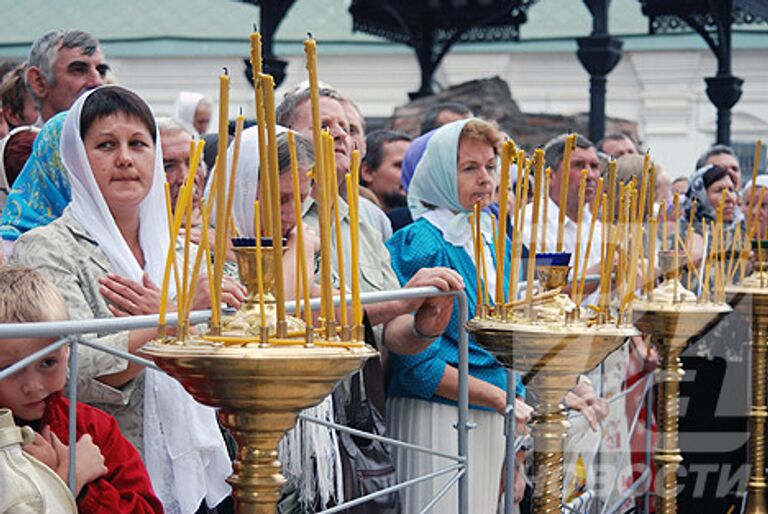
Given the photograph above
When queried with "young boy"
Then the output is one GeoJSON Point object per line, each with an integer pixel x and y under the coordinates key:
{"type": "Point", "coordinates": [110, 476]}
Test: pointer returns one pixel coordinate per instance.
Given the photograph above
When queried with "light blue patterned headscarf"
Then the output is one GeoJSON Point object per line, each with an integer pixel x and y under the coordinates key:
{"type": "Point", "coordinates": [41, 191]}
{"type": "Point", "coordinates": [435, 185]}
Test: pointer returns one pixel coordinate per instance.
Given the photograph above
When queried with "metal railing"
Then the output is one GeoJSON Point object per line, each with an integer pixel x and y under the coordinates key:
{"type": "Point", "coordinates": [458, 470]}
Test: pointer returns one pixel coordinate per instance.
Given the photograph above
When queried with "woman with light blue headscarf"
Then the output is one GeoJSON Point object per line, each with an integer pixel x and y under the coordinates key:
{"type": "Point", "coordinates": [457, 170]}
{"type": "Point", "coordinates": [42, 190]}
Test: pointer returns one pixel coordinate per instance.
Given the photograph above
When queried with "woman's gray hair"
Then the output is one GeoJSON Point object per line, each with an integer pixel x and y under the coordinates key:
{"type": "Point", "coordinates": [45, 49]}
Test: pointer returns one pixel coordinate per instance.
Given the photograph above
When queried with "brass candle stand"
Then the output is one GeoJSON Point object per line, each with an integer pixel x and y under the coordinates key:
{"type": "Point", "coordinates": [750, 297]}
{"type": "Point", "coordinates": [672, 316]}
{"type": "Point", "coordinates": [259, 383]}
{"type": "Point", "coordinates": [550, 351]}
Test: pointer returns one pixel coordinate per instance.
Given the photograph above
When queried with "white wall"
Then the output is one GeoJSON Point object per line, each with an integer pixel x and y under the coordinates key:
{"type": "Point", "coordinates": [662, 90]}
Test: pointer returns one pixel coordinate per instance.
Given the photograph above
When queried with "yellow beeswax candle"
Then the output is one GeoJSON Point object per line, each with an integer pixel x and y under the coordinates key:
{"type": "Point", "coordinates": [756, 164]}
{"type": "Point", "coordinates": [259, 269]}
{"type": "Point", "coordinates": [570, 142]}
{"type": "Point", "coordinates": [268, 85]}
{"type": "Point", "coordinates": [354, 188]}
{"type": "Point", "coordinates": [220, 179]}
{"type": "Point", "coordinates": [255, 55]}
{"type": "Point", "coordinates": [577, 249]}
{"type": "Point", "coordinates": [301, 266]}
{"type": "Point", "coordinates": [357, 312]}
{"type": "Point", "coordinates": [545, 208]}
{"type": "Point", "coordinates": [339, 254]}
{"type": "Point", "coordinates": [474, 221]}
{"type": "Point", "coordinates": [169, 215]}
{"type": "Point", "coordinates": [500, 245]}
{"type": "Point", "coordinates": [538, 158]}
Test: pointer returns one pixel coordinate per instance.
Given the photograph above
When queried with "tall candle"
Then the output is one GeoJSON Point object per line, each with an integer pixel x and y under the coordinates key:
{"type": "Point", "coordinates": [340, 255]}
{"type": "Point", "coordinates": [169, 215]}
{"type": "Point", "coordinates": [301, 269]}
{"type": "Point", "coordinates": [324, 199]}
{"type": "Point", "coordinates": [545, 207]}
{"type": "Point", "coordinates": [478, 270]}
{"type": "Point", "coordinates": [357, 311]}
{"type": "Point", "coordinates": [570, 140]}
{"type": "Point", "coordinates": [664, 228]}
{"type": "Point", "coordinates": [259, 269]}
{"type": "Point", "coordinates": [220, 179]}
{"type": "Point", "coordinates": [756, 164]}
{"type": "Point", "coordinates": [268, 84]}
{"type": "Point", "coordinates": [501, 237]}
{"type": "Point", "coordinates": [674, 247]}
{"type": "Point", "coordinates": [577, 252]}
{"type": "Point", "coordinates": [605, 265]}
{"type": "Point", "coordinates": [263, 186]}
{"type": "Point", "coordinates": [310, 49]}
{"type": "Point", "coordinates": [651, 273]}
{"type": "Point", "coordinates": [538, 159]}
{"type": "Point", "coordinates": [255, 55]}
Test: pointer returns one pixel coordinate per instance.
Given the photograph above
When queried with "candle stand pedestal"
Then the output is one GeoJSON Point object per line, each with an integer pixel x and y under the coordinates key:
{"type": "Point", "coordinates": [750, 298]}
{"type": "Point", "coordinates": [258, 388]}
{"type": "Point", "coordinates": [672, 317]}
{"type": "Point", "coordinates": [551, 356]}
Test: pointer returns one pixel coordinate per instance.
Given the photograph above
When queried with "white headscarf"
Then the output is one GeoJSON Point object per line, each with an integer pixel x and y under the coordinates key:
{"type": "Point", "coordinates": [187, 462]}
{"type": "Point", "coordinates": [186, 105]}
{"type": "Point", "coordinates": [246, 181]}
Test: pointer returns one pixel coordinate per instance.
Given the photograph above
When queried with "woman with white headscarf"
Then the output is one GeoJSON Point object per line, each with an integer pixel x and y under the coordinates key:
{"type": "Point", "coordinates": [116, 225]}
{"type": "Point", "coordinates": [195, 109]}
{"type": "Point", "coordinates": [457, 170]}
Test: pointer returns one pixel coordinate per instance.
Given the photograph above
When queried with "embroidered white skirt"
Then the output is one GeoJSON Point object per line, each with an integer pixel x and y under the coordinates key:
{"type": "Point", "coordinates": [430, 424]}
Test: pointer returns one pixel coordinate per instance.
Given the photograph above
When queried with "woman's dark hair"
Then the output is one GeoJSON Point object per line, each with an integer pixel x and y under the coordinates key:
{"type": "Point", "coordinates": [713, 174]}
{"type": "Point", "coordinates": [110, 100]}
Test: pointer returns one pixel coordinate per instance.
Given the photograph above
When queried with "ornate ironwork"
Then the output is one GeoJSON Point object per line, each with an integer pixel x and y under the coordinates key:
{"type": "Point", "coordinates": [431, 28]}
{"type": "Point", "coordinates": [713, 21]}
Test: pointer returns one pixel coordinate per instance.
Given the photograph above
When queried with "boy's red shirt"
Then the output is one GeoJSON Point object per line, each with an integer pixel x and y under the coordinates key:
{"type": "Point", "coordinates": [126, 487]}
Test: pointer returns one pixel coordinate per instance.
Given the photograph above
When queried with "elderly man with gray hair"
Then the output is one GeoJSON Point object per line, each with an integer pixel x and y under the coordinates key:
{"type": "Point", "coordinates": [61, 66]}
{"type": "Point", "coordinates": [175, 139]}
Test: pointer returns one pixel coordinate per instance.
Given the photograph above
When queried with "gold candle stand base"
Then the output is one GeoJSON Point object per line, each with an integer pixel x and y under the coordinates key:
{"type": "Point", "coordinates": [259, 393]}
{"type": "Point", "coordinates": [551, 356]}
{"type": "Point", "coordinates": [751, 299]}
{"type": "Point", "coordinates": [671, 323]}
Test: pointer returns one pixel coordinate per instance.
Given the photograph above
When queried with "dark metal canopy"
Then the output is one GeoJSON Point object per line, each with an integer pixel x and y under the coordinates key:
{"type": "Point", "coordinates": [431, 27]}
{"type": "Point", "coordinates": [712, 20]}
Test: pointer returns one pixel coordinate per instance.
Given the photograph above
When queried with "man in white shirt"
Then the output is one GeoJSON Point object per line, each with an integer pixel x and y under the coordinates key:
{"type": "Point", "coordinates": [583, 157]}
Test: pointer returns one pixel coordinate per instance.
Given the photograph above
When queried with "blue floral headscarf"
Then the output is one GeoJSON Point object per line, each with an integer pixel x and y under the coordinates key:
{"type": "Point", "coordinates": [41, 191]}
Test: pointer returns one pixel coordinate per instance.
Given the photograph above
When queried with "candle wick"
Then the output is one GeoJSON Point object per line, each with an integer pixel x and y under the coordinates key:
{"type": "Point", "coordinates": [309, 35]}
{"type": "Point", "coordinates": [241, 110]}
{"type": "Point", "coordinates": [255, 27]}
{"type": "Point", "coordinates": [226, 71]}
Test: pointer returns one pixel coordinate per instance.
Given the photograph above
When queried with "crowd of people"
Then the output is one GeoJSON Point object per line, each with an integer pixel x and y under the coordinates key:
{"type": "Point", "coordinates": [83, 167]}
